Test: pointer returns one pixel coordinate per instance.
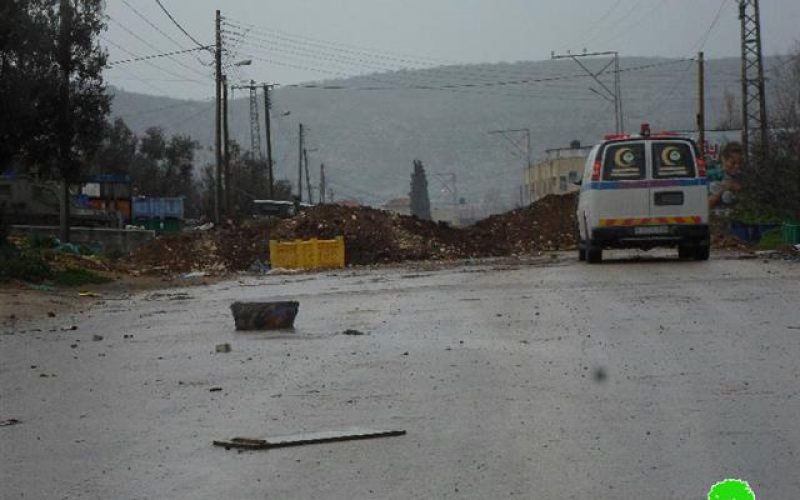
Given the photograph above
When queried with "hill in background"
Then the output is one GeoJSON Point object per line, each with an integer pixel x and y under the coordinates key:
{"type": "Point", "coordinates": [368, 129]}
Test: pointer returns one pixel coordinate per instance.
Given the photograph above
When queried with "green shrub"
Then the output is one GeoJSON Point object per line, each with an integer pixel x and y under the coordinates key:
{"type": "Point", "coordinates": [78, 277]}
{"type": "Point", "coordinates": [22, 264]}
{"type": "Point", "coordinates": [772, 239]}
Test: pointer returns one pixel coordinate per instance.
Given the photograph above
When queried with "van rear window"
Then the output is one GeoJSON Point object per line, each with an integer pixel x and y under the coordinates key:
{"type": "Point", "coordinates": [672, 159]}
{"type": "Point", "coordinates": [624, 162]}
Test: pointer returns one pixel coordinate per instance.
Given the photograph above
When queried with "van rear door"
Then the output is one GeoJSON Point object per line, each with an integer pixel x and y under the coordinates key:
{"type": "Point", "coordinates": [677, 194]}
{"type": "Point", "coordinates": [622, 198]}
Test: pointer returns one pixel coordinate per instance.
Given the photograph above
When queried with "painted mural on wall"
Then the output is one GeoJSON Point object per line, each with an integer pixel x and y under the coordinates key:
{"type": "Point", "coordinates": [724, 171]}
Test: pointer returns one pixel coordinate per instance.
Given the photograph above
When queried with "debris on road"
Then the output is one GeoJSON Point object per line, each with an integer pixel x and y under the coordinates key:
{"type": "Point", "coordinates": [194, 274]}
{"type": "Point", "coordinates": [264, 315]}
{"type": "Point", "coordinates": [305, 439]}
{"type": "Point", "coordinates": [352, 332]}
{"type": "Point", "coordinates": [68, 328]}
{"type": "Point", "coordinates": [97, 338]}
{"type": "Point", "coordinates": [223, 348]}
{"type": "Point", "coordinates": [10, 421]}
{"type": "Point", "coordinates": [215, 389]}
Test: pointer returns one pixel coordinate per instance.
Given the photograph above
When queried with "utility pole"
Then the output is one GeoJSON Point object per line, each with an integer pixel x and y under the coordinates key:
{"type": "Point", "coordinates": [268, 132]}
{"type": "Point", "coordinates": [300, 149]}
{"type": "Point", "coordinates": [226, 157]}
{"type": "Point", "coordinates": [754, 107]}
{"type": "Point", "coordinates": [701, 105]}
{"type": "Point", "coordinates": [322, 183]}
{"type": "Point", "coordinates": [217, 136]}
{"type": "Point", "coordinates": [65, 128]}
{"type": "Point", "coordinates": [614, 96]}
{"type": "Point", "coordinates": [255, 132]}
{"type": "Point", "coordinates": [308, 178]}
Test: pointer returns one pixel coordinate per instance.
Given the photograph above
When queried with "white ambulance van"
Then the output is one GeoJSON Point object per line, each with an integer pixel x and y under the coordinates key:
{"type": "Point", "coordinates": [644, 191]}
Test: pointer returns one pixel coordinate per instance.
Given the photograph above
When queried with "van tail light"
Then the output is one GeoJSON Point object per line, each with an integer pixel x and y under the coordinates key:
{"type": "Point", "coordinates": [596, 171]}
{"type": "Point", "coordinates": [701, 167]}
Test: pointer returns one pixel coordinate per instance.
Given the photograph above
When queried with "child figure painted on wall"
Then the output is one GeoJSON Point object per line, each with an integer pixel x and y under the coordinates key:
{"type": "Point", "coordinates": [723, 178]}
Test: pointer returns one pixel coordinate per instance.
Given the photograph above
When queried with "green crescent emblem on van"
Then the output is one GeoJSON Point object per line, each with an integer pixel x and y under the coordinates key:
{"type": "Point", "coordinates": [731, 489]}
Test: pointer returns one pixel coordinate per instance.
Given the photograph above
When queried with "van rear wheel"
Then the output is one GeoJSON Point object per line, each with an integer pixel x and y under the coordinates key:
{"type": "Point", "coordinates": [702, 251]}
{"type": "Point", "coordinates": [594, 255]}
{"type": "Point", "coordinates": [686, 251]}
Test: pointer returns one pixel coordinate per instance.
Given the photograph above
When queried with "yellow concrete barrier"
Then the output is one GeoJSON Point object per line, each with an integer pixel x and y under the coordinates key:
{"type": "Point", "coordinates": [307, 254]}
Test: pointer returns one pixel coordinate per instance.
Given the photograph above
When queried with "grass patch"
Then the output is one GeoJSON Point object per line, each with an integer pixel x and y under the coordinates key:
{"type": "Point", "coordinates": [78, 277]}
{"type": "Point", "coordinates": [772, 240]}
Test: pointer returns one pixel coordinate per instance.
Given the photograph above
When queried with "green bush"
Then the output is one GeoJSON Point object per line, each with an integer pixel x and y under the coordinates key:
{"type": "Point", "coordinates": [772, 239]}
{"type": "Point", "coordinates": [78, 277]}
{"type": "Point", "coordinates": [22, 264]}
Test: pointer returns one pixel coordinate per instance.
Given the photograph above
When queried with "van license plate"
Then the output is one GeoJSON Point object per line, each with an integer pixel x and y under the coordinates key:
{"type": "Point", "coordinates": [650, 230]}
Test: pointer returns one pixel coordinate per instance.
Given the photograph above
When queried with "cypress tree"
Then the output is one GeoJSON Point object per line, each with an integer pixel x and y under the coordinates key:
{"type": "Point", "coordinates": [420, 202]}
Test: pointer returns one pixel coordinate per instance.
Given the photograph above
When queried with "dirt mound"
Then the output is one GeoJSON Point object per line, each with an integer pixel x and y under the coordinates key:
{"type": "Point", "coordinates": [545, 225]}
{"type": "Point", "coordinates": [231, 248]}
{"type": "Point", "coordinates": [375, 236]}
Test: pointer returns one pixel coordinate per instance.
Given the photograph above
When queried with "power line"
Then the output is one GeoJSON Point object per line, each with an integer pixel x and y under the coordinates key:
{"type": "Point", "coordinates": [150, 63]}
{"type": "Point", "coordinates": [145, 42]}
{"type": "Point", "coordinates": [179, 26]}
{"type": "Point", "coordinates": [478, 85]}
{"type": "Point", "coordinates": [681, 77]}
{"type": "Point", "coordinates": [711, 27]}
{"type": "Point", "coordinates": [599, 23]}
{"type": "Point", "coordinates": [143, 17]}
{"type": "Point", "coordinates": [317, 46]}
{"type": "Point", "coordinates": [343, 46]}
{"type": "Point", "coordinates": [153, 56]}
{"type": "Point", "coordinates": [453, 86]}
{"type": "Point", "coordinates": [308, 52]}
{"type": "Point", "coordinates": [646, 14]}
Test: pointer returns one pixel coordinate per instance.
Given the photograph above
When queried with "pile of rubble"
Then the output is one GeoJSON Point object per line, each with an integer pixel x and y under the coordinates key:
{"type": "Point", "coordinates": [375, 236]}
{"type": "Point", "coordinates": [231, 248]}
{"type": "Point", "coordinates": [546, 225]}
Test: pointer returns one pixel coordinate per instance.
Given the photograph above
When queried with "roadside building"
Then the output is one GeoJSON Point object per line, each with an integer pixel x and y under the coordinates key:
{"type": "Point", "coordinates": [558, 172]}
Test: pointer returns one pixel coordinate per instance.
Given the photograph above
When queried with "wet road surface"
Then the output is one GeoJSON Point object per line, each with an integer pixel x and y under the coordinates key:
{"type": "Point", "coordinates": [632, 379]}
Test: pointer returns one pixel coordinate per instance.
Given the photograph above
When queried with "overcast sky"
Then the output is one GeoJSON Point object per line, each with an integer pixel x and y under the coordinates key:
{"type": "Point", "coordinates": [293, 41]}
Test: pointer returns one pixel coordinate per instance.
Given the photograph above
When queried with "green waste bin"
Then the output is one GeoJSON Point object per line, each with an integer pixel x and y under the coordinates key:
{"type": "Point", "coordinates": [791, 233]}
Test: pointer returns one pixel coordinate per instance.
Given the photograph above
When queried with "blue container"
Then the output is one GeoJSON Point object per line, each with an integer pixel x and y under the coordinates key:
{"type": "Point", "coordinates": [751, 233]}
{"type": "Point", "coordinates": [745, 232]}
{"type": "Point", "coordinates": [762, 229]}
{"type": "Point", "coordinates": [158, 208]}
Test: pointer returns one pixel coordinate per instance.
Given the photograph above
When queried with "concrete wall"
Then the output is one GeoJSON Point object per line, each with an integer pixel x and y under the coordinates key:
{"type": "Point", "coordinates": [112, 241]}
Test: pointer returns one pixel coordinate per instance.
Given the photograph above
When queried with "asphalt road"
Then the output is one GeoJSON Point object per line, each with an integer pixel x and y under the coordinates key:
{"type": "Point", "coordinates": [632, 379]}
